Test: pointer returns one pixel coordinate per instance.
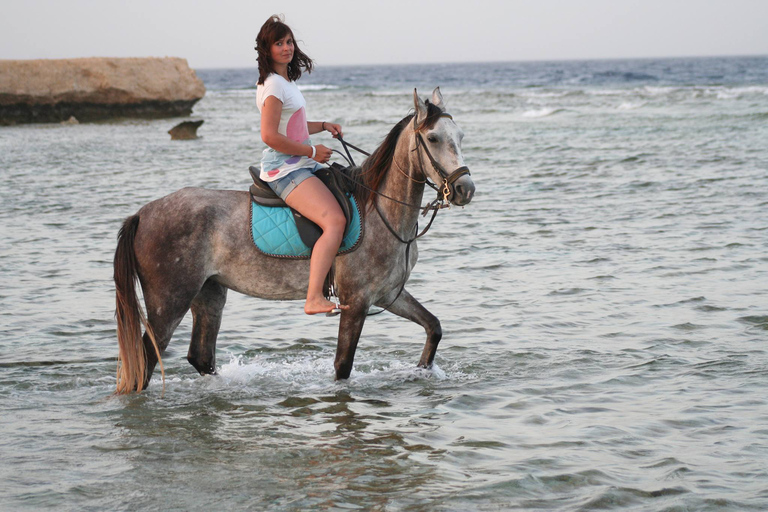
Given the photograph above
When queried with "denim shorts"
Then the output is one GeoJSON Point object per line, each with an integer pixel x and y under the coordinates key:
{"type": "Point", "coordinates": [285, 185]}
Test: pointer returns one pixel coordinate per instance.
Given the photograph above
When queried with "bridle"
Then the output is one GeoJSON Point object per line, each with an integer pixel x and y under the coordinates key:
{"type": "Point", "coordinates": [447, 188]}
{"type": "Point", "coordinates": [445, 191]}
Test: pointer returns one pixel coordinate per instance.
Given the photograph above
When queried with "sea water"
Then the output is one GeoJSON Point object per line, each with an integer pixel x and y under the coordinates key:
{"type": "Point", "coordinates": [603, 303]}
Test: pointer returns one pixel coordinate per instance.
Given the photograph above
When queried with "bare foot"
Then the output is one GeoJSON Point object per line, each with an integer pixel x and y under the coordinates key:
{"type": "Point", "coordinates": [313, 307]}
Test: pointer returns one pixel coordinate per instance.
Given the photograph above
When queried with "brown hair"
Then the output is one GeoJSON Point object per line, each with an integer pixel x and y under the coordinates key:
{"type": "Point", "coordinates": [273, 30]}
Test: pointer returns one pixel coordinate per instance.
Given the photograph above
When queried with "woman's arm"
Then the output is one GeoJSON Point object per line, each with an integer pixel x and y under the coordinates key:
{"type": "Point", "coordinates": [319, 126]}
{"type": "Point", "coordinates": [270, 121]}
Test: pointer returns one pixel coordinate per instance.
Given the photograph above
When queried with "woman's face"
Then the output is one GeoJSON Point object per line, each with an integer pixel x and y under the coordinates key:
{"type": "Point", "coordinates": [282, 50]}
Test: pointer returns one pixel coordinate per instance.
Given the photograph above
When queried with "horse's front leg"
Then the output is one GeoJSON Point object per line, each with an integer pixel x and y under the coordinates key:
{"type": "Point", "coordinates": [350, 327]}
{"type": "Point", "coordinates": [408, 307]}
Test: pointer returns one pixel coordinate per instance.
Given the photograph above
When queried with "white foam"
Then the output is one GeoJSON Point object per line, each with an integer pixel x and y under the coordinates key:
{"type": "Point", "coordinates": [659, 91]}
{"type": "Point", "coordinates": [755, 90]}
{"type": "Point", "coordinates": [375, 374]}
{"type": "Point", "coordinates": [318, 87]}
{"type": "Point", "coordinates": [388, 93]}
{"type": "Point", "coordinates": [611, 92]}
{"type": "Point", "coordinates": [544, 94]}
{"type": "Point", "coordinates": [307, 373]}
{"type": "Point", "coordinates": [238, 93]}
{"type": "Point", "coordinates": [628, 105]}
{"type": "Point", "coordinates": [729, 93]}
{"type": "Point", "coordinates": [543, 112]}
{"type": "Point", "coordinates": [302, 371]}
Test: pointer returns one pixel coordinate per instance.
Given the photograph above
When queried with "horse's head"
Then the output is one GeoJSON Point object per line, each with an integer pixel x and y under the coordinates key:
{"type": "Point", "coordinates": [438, 149]}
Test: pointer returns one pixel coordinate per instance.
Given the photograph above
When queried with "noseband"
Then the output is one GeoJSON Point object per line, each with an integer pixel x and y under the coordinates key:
{"type": "Point", "coordinates": [447, 187]}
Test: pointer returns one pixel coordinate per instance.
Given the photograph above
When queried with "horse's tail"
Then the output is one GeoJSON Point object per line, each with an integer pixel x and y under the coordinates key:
{"type": "Point", "coordinates": [132, 358]}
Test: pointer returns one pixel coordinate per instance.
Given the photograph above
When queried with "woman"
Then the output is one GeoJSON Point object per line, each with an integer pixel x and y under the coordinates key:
{"type": "Point", "coordinates": [288, 165]}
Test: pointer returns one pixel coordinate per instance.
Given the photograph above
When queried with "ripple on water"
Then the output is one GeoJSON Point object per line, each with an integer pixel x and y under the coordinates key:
{"type": "Point", "coordinates": [758, 322]}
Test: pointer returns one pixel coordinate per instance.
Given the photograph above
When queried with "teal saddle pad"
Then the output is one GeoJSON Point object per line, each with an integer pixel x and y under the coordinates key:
{"type": "Point", "coordinates": [274, 232]}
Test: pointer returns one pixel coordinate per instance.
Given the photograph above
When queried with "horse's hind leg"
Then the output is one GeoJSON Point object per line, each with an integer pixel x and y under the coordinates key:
{"type": "Point", "coordinates": [207, 308]}
{"type": "Point", "coordinates": [164, 314]}
{"type": "Point", "coordinates": [408, 307]}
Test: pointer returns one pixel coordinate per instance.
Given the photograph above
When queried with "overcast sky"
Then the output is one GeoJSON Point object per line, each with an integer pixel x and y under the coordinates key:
{"type": "Point", "coordinates": [216, 34]}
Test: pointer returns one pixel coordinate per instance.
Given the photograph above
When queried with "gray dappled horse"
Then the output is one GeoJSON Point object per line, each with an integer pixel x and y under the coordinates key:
{"type": "Point", "coordinates": [189, 247]}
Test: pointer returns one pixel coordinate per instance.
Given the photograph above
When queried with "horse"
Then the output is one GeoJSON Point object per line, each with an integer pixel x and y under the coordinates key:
{"type": "Point", "coordinates": [187, 249]}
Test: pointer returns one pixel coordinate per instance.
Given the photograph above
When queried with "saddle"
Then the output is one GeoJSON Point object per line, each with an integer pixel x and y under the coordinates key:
{"type": "Point", "coordinates": [332, 177]}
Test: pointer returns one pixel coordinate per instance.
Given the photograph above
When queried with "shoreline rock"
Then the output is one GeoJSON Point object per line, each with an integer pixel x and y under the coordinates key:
{"type": "Point", "coordinates": [186, 130]}
{"type": "Point", "coordinates": [97, 88]}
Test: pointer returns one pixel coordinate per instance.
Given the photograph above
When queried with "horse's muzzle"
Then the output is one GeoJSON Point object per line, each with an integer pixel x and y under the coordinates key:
{"type": "Point", "coordinates": [463, 190]}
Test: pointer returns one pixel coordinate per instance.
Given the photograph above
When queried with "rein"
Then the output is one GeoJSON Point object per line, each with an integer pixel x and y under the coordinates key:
{"type": "Point", "coordinates": [347, 145]}
{"type": "Point", "coordinates": [430, 206]}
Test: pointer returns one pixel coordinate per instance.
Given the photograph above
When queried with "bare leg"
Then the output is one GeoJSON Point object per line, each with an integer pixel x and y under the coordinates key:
{"type": "Point", "coordinates": [312, 199]}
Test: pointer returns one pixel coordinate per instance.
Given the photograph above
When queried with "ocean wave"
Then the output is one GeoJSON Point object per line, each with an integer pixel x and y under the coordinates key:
{"type": "Point", "coordinates": [251, 90]}
{"type": "Point", "coordinates": [542, 112]}
{"type": "Point", "coordinates": [611, 92]}
{"type": "Point", "coordinates": [730, 93]}
{"type": "Point", "coordinates": [366, 122]}
{"type": "Point", "coordinates": [628, 105]}
{"type": "Point", "coordinates": [661, 91]}
{"type": "Point", "coordinates": [387, 93]}
{"type": "Point", "coordinates": [621, 76]}
{"type": "Point", "coordinates": [238, 93]}
{"type": "Point", "coordinates": [318, 87]}
{"type": "Point", "coordinates": [658, 91]}
{"type": "Point", "coordinates": [549, 94]}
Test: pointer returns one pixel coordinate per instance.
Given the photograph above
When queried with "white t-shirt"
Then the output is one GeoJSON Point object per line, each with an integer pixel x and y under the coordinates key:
{"type": "Point", "coordinates": [293, 124]}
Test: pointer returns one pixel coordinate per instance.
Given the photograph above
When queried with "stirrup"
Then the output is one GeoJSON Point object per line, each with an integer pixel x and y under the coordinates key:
{"type": "Point", "coordinates": [333, 298]}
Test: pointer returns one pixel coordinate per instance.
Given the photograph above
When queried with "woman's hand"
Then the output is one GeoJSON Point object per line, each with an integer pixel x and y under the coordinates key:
{"type": "Point", "coordinates": [334, 128]}
{"type": "Point", "coordinates": [322, 153]}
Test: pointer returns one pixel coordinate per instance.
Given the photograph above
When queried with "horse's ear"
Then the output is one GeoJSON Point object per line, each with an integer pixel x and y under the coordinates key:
{"type": "Point", "coordinates": [437, 99]}
{"type": "Point", "coordinates": [421, 108]}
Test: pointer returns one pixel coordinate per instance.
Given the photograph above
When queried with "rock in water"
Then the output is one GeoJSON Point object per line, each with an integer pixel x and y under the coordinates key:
{"type": "Point", "coordinates": [186, 130]}
{"type": "Point", "coordinates": [45, 91]}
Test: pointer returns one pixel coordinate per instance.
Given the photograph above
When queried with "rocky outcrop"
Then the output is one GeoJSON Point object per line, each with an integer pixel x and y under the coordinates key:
{"type": "Point", "coordinates": [46, 91]}
{"type": "Point", "coordinates": [186, 130]}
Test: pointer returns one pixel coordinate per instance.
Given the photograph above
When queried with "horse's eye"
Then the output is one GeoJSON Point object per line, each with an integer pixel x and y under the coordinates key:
{"type": "Point", "coordinates": [432, 139]}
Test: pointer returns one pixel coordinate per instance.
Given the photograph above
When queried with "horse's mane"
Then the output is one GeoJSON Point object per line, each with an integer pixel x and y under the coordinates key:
{"type": "Point", "coordinates": [374, 168]}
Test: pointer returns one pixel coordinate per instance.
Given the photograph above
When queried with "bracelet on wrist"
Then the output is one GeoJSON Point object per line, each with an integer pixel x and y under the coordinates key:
{"type": "Point", "coordinates": [314, 152]}
{"type": "Point", "coordinates": [324, 128]}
